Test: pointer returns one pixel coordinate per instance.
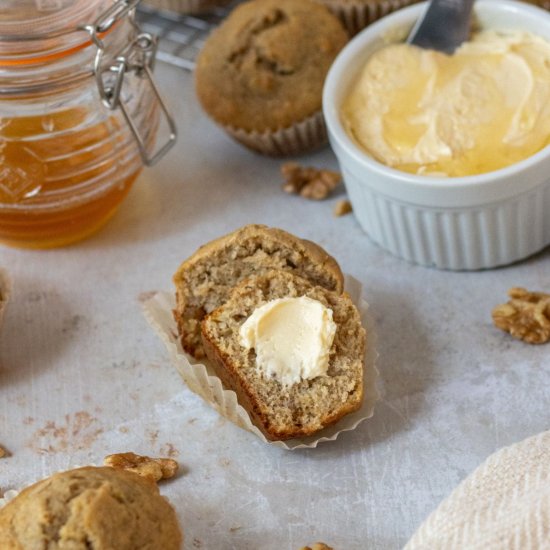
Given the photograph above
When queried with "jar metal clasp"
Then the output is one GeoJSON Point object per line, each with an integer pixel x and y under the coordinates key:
{"type": "Point", "coordinates": [138, 58]}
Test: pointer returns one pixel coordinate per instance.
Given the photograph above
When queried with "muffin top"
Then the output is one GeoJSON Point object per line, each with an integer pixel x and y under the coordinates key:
{"type": "Point", "coordinates": [99, 508]}
{"type": "Point", "coordinates": [264, 67]}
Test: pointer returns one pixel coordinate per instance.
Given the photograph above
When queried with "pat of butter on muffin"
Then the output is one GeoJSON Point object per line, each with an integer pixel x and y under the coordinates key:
{"type": "Point", "coordinates": [292, 338]}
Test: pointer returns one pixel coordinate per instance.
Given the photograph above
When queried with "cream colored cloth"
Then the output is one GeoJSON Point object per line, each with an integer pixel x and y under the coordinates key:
{"type": "Point", "coordinates": [503, 505]}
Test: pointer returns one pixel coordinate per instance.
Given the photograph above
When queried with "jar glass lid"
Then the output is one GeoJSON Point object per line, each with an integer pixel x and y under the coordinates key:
{"type": "Point", "coordinates": [36, 17]}
{"type": "Point", "coordinates": [34, 26]}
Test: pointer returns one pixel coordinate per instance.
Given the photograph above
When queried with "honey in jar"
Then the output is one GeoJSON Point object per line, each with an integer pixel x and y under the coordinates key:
{"type": "Point", "coordinates": [78, 117]}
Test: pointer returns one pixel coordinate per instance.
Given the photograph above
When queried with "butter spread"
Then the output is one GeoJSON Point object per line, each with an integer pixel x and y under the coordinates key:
{"type": "Point", "coordinates": [292, 338]}
{"type": "Point", "coordinates": [483, 108]}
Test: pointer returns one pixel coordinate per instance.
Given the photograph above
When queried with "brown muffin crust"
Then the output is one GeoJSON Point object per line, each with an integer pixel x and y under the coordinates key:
{"type": "Point", "coordinates": [205, 280]}
{"type": "Point", "coordinates": [264, 67]}
{"type": "Point", "coordinates": [90, 509]}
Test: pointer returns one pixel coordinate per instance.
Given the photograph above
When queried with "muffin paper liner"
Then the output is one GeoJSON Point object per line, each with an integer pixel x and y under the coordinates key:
{"type": "Point", "coordinates": [200, 377]}
{"type": "Point", "coordinates": [301, 137]}
{"type": "Point", "coordinates": [186, 6]}
{"type": "Point", "coordinates": [5, 291]}
{"type": "Point", "coordinates": [545, 4]}
{"type": "Point", "coordinates": [357, 15]}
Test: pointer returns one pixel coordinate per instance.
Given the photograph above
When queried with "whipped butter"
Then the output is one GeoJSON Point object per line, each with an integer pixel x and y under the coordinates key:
{"type": "Point", "coordinates": [292, 338]}
{"type": "Point", "coordinates": [483, 108]}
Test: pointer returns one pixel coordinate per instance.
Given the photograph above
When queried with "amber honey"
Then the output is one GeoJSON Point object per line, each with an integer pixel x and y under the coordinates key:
{"type": "Point", "coordinates": [63, 226]}
{"type": "Point", "coordinates": [62, 176]}
{"type": "Point", "coordinates": [79, 112]}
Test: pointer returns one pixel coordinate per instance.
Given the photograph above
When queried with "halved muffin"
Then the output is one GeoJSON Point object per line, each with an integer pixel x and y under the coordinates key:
{"type": "Point", "coordinates": [281, 410]}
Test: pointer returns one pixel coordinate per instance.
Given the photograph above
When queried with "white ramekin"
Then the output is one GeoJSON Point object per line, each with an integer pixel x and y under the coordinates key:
{"type": "Point", "coordinates": [472, 222]}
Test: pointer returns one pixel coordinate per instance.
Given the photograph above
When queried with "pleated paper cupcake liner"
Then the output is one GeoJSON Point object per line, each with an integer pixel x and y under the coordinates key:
{"type": "Point", "coordinates": [201, 379]}
{"type": "Point", "coordinates": [191, 7]}
{"type": "Point", "coordinates": [301, 137]}
{"type": "Point", "coordinates": [545, 4]}
{"type": "Point", "coordinates": [357, 14]}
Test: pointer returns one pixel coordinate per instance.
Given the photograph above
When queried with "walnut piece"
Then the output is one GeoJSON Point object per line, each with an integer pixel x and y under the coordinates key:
{"type": "Point", "coordinates": [317, 546]}
{"type": "Point", "coordinates": [309, 182]}
{"type": "Point", "coordinates": [526, 316]}
{"type": "Point", "coordinates": [154, 469]}
{"type": "Point", "coordinates": [341, 208]}
{"type": "Point", "coordinates": [3, 452]}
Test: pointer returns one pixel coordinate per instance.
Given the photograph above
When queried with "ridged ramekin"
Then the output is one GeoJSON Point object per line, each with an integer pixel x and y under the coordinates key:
{"type": "Point", "coordinates": [465, 223]}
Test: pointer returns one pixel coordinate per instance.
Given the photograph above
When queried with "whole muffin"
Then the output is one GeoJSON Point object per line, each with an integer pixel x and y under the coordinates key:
{"type": "Point", "coordinates": [357, 14]}
{"type": "Point", "coordinates": [99, 508]}
{"type": "Point", "coordinates": [260, 75]}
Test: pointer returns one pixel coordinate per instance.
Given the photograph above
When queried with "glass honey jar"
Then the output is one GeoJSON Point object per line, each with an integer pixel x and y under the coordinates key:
{"type": "Point", "coordinates": [79, 113]}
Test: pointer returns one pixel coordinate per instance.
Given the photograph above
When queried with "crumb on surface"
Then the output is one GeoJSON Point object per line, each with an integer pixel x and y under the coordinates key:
{"type": "Point", "coordinates": [309, 182]}
{"type": "Point", "coordinates": [526, 316]}
{"type": "Point", "coordinates": [155, 469]}
{"type": "Point", "coordinates": [146, 296]}
{"type": "Point", "coordinates": [318, 546]}
{"type": "Point", "coordinates": [342, 207]}
{"type": "Point", "coordinates": [75, 431]}
{"type": "Point", "coordinates": [169, 450]}
{"type": "Point", "coordinates": [3, 452]}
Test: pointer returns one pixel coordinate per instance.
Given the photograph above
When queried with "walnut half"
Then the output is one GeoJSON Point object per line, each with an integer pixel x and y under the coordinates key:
{"type": "Point", "coordinates": [526, 316]}
{"type": "Point", "coordinates": [308, 182]}
{"type": "Point", "coordinates": [154, 469]}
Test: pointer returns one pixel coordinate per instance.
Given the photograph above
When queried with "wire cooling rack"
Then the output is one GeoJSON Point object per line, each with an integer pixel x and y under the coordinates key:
{"type": "Point", "coordinates": [181, 37]}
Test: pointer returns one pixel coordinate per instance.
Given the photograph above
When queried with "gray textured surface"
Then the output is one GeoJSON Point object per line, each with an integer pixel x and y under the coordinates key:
{"type": "Point", "coordinates": [82, 375]}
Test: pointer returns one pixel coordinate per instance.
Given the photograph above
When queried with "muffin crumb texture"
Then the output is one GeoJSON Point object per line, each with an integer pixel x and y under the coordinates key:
{"type": "Point", "coordinates": [205, 280]}
{"type": "Point", "coordinates": [305, 407]}
{"type": "Point", "coordinates": [526, 316]}
{"type": "Point", "coordinates": [155, 469]}
{"type": "Point", "coordinates": [90, 509]}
